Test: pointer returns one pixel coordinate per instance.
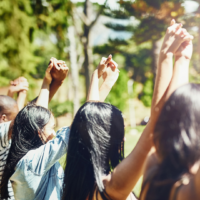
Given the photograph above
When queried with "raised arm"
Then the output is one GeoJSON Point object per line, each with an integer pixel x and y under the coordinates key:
{"type": "Point", "coordinates": [183, 53]}
{"type": "Point", "coordinates": [127, 173]}
{"type": "Point", "coordinates": [43, 98]}
{"type": "Point", "coordinates": [165, 65]}
{"type": "Point", "coordinates": [22, 93]}
{"type": "Point", "coordinates": [19, 86]}
{"type": "Point", "coordinates": [59, 73]}
{"type": "Point", "coordinates": [110, 76]}
{"type": "Point", "coordinates": [180, 76]}
{"type": "Point", "coordinates": [107, 68]}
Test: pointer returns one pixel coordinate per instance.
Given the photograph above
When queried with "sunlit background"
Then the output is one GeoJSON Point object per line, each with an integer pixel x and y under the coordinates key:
{"type": "Point", "coordinates": [80, 33]}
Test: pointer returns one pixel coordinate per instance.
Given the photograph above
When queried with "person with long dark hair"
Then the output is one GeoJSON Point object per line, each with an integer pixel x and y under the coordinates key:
{"type": "Point", "coordinates": [96, 168]}
{"type": "Point", "coordinates": [173, 171]}
{"type": "Point", "coordinates": [32, 164]}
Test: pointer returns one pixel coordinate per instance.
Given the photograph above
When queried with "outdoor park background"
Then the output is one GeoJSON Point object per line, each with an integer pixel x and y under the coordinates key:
{"type": "Point", "coordinates": [80, 33]}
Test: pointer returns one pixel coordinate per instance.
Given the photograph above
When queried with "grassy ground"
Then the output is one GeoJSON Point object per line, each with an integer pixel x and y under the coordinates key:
{"type": "Point", "coordinates": [132, 136]}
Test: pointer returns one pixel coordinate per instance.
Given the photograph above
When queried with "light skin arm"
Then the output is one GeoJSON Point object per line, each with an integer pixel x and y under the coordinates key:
{"type": "Point", "coordinates": [20, 86]}
{"type": "Point", "coordinates": [22, 93]}
{"type": "Point", "coordinates": [110, 76]}
{"type": "Point", "coordinates": [17, 85]}
{"type": "Point", "coordinates": [181, 70]}
{"type": "Point", "coordinates": [104, 70]}
{"type": "Point", "coordinates": [93, 94]}
{"type": "Point", "coordinates": [179, 78]}
{"type": "Point", "coordinates": [43, 98]}
{"type": "Point", "coordinates": [21, 99]}
{"type": "Point", "coordinates": [164, 70]}
{"type": "Point", "coordinates": [126, 174]}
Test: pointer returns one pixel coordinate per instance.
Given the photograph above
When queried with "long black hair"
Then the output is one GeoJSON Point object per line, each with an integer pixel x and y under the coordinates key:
{"type": "Point", "coordinates": [177, 141]}
{"type": "Point", "coordinates": [96, 147]}
{"type": "Point", "coordinates": [29, 121]}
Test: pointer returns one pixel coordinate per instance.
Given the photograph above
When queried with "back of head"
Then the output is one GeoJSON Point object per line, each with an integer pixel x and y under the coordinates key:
{"type": "Point", "coordinates": [8, 108]}
{"type": "Point", "coordinates": [95, 148]}
{"type": "Point", "coordinates": [28, 123]}
{"type": "Point", "coordinates": [177, 140]}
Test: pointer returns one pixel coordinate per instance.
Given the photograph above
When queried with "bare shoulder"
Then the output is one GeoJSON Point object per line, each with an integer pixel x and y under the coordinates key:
{"type": "Point", "coordinates": [184, 190]}
{"type": "Point", "coordinates": [151, 163]}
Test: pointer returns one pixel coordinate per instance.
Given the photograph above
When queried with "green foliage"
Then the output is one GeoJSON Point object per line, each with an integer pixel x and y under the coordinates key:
{"type": "Point", "coordinates": [16, 58]}
{"type": "Point", "coordinates": [59, 109]}
{"type": "Point", "coordinates": [151, 19]}
{"type": "Point", "coordinates": [147, 92]}
{"type": "Point", "coordinates": [31, 32]}
{"type": "Point", "coordinates": [119, 94]}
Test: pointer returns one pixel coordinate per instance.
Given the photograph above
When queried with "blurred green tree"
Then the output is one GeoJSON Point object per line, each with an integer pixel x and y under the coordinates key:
{"type": "Point", "coordinates": [16, 57]}
{"type": "Point", "coordinates": [87, 23]}
{"type": "Point", "coordinates": [49, 35]}
{"type": "Point", "coordinates": [147, 21]}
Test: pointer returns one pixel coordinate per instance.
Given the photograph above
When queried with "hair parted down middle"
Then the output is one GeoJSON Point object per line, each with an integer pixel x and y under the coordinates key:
{"type": "Point", "coordinates": [96, 147]}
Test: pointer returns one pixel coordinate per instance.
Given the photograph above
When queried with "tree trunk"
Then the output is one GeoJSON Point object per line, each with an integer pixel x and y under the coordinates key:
{"type": "Point", "coordinates": [88, 63]}
{"type": "Point", "coordinates": [74, 68]}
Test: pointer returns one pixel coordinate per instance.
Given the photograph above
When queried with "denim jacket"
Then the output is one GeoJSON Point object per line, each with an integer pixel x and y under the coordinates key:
{"type": "Point", "coordinates": [38, 175]}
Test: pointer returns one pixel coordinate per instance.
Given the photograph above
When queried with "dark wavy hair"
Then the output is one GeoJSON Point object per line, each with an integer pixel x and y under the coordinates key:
{"type": "Point", "coordinates": [177, 141]}
{"type": "Point", "coordinates": [96, 147]}
{"type": "Point", "coordinates": [29, 121]}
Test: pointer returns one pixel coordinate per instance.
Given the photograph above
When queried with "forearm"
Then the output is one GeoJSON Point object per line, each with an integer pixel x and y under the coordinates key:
{"type": "Point", "coordinates": [180, 75]}
{"type": "Point", "coordinates": [43, 98]}
{"type": "Point", "coordinates": [53, 88]}
{"type": "Point", "coordinates": [10, 94]}
{"type": "Point", "coordinates": [21, 99]}
{"type": "Point", "coordinates": [163, 78]}
{"type": "Point", "coordinates": [104, 91]}
{"type": "Point", "coordinates": [127, 173]}
{"type": "Point", "coordinates": [93, 94]}
{"type": "Point", "coordinates": [179, 78]}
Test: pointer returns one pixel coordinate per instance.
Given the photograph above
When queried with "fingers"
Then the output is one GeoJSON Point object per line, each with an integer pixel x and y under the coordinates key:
{"type": "Point", "coordinates": [54, 61]}
{"type": "Point", "coordinates": [172, 22]}
{"type": "Point", "coordinates": [108, 59]}
{"type": "Point", "coordinates": [174, 28]}
{"type": "Point", "coordinates": [113, 64]}
{"type": "Point", "coordinates": [64, 67]}
{"type": "Point", "coordinates": [57, 63]}
{"type": "Point", "coordinates": [24, 88]}
{"type": "Point", "coordinates": [188, 38]}
{"type": "Point", "coordinates": [50, 66]}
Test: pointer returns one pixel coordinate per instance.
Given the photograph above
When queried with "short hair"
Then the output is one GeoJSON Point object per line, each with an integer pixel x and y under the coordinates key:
{"type": "Point", "coordinates": [6, 104]}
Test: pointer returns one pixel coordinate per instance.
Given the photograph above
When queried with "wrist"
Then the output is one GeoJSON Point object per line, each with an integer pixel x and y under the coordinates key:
{"type": "Point", "coordinates": [95, 72]}
{"type": "Point", "coordinates": [165, 55]}
{"type": "Point", "coordinates": [23, 92]}
{"type": "Point", "coordinates": [57, 82]}
{"type": "Point", "coordinates": [182, 58]}
{"type": "Point", "coordinates": [45, 83]}
{"type": "Point", "coordinates": [10, 93]}
{"type": "Point", "coordinates": [108, 84]}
